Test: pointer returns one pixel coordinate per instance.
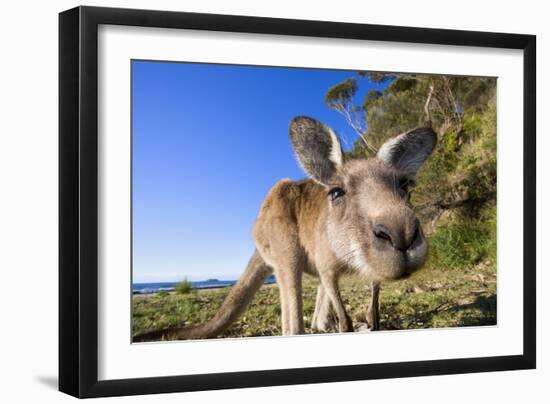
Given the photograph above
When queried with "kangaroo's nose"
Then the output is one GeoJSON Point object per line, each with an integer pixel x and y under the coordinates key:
{"type": "Point", "coordinates": [400, 239]}
{"type": "Point", "coordinates": [382, 232]}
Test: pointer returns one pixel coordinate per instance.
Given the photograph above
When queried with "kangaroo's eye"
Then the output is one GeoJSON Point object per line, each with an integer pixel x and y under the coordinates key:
{"type": "Point", "coordinates": [336, 193]}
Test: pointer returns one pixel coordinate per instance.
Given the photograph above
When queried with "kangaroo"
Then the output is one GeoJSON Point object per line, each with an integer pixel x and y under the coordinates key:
{"type": "Point", "coordinates": [351, 215]}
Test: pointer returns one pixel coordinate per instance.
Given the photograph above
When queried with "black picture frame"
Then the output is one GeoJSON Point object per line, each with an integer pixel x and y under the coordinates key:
{"type": "Point", "coordinates": [78, 201]}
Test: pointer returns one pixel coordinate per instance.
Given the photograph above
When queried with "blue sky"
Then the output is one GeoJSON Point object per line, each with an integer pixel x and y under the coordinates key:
{"type": "Point", "coordinates": [208, 143]}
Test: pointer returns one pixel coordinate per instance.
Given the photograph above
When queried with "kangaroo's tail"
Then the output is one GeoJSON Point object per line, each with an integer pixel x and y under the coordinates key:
{"type": "Point", "coordinates": [233, 307]}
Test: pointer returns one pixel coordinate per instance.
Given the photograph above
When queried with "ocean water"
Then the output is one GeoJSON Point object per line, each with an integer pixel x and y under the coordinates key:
{"type": "Point", "coordinates": [154, 287]}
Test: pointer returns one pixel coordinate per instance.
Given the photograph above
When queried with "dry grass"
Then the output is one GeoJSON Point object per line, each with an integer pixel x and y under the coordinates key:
{"type": "Point", "coordinates": [433, 298]}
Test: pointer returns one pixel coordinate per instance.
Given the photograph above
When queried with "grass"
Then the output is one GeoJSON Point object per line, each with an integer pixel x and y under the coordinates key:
{"type": "Point", "coordinates": [184, 287]}
{"type": "Point", "coordinates": [465, 241]}
{"type": "Point", "coordinates": [432, 298]}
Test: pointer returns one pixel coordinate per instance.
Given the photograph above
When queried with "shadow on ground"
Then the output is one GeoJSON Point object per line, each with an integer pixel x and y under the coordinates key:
{"type": "Point", "coordinates": [479, 312]}
{"type": "Point", "coordinates": [48, 381]}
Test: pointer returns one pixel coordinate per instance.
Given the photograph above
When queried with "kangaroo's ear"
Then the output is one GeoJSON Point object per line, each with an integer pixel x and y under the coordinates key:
{"type": "Point", "coordinates": [317, 148]}
{"type": "Point", "coordinates": [408, 151]}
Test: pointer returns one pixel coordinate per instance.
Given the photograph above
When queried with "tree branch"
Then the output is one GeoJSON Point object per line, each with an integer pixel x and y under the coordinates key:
{"type": "Point", "coordinates": [427, 105]}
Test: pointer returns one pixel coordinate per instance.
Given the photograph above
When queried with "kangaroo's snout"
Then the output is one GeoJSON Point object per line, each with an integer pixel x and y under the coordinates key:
{"type": "Point", "coordinates": [393, 221]}
{"type": "Point", "coordinates": [396, 246]}
{"type": "Point", "coordinates": [400, 237]}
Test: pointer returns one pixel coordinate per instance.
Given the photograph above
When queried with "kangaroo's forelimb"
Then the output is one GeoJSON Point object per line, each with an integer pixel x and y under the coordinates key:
{"type": "Point", "coordinates": [324, 318]}
{"type": "Point", "coordinates": [373, 316]}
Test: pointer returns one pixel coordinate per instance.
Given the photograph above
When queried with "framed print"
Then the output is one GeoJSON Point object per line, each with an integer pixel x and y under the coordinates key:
{"type": "Point", "coordinates": [251, 201]}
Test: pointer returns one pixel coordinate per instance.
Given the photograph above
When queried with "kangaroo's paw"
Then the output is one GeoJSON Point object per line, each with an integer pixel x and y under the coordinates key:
{"type": "Point", "coordinates": [325, 323]}
{"type": "Point", "coordinates": [373, 321]}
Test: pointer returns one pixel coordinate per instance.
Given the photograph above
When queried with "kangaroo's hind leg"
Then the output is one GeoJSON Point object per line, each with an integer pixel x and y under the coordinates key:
{"type": "Point", "coordinates": [282, 303]}
{"type": "Point", "coordinates": [277, 239]}
{"type": "Point", "coordinates": [287, 259]}
{"type": "Point", "coordinates": [289, 277]}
